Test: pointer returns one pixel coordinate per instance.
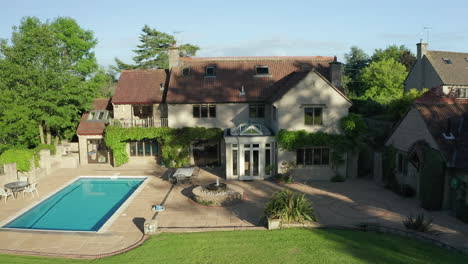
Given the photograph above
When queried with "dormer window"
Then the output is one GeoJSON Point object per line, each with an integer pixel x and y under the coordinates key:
{"type": "Point", "coordinates": [462, 93]}
{"type": "Point", "coordinates": [186, 72]}
{"type": "Point", "coordinates": [262, 70]}
{"type": "Point", "coordinates": [210, 71]}
{"type": "Point", "coordinates": [102, 115]}
{"type": "Point", "coordinates": [447, 61]}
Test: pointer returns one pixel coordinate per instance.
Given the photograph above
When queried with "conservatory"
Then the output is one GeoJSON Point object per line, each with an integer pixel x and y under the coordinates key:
{"type": "Point", "coordinates": [250, 152]}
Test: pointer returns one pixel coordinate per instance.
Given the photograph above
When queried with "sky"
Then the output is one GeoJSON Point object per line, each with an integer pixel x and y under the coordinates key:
{"type": "Point", "coordinates": [256, 28]}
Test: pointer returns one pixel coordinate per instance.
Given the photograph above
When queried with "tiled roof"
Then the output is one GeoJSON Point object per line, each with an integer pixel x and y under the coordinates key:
{"type": "Point", "coordinates": [94, 127]}
{"type": "Point", "coordinates": [436, 96]}
{"type": "Point", "coordinates": [456, 72]}
{"type": "Point", "coordinates": [140, 87]}
{"type": "Point", "coordinates": [233, 73]}
{"type": "Point", "coordinates": [443, 117]}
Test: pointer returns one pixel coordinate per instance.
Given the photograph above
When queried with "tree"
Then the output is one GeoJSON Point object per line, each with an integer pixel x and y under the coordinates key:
{"type": "Point", "coordinates": [50, 70]}
{"type": "Point", "coordinates": [356, 60]}
{"type": "Point", "coordinates": [383, 80]}
{"type": "Point", "coordinates": [152, 52]}
{"type": "Point", "coordinates": [401, 54]}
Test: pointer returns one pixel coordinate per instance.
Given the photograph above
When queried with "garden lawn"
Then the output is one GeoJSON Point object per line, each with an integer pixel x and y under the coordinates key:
{"type": "Point", "coordinates": [280, 246]}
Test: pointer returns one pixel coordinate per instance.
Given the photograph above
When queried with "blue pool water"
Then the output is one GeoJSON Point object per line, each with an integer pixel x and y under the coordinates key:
{"type": "Point", "coordinates": [84, 205]}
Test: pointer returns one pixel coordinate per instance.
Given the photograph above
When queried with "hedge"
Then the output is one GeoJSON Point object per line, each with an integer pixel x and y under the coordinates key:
{"type": "Point", "coordinates": [22, 157]}
{"type": "Point", "coordinates": [432, 180]}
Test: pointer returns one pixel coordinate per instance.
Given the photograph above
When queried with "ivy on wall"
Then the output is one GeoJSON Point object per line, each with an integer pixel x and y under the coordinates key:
{"type": "Point", "coordinates": [175, 143]}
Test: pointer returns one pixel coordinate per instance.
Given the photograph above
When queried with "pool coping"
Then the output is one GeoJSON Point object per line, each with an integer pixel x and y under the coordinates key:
{"type": "Point", "coordinates": [103, 229]}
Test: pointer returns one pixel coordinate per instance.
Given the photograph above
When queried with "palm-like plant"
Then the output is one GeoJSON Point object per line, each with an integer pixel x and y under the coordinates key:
{"type": "Point", "coordinates": [289, 207]}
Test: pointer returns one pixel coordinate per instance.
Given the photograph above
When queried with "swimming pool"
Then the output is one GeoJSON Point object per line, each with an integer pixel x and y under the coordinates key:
{"type": "Point", "coordinates": [84, 205]}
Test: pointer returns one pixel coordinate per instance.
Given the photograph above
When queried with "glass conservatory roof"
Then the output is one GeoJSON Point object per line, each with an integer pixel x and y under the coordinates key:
{"type": "Point", "coordinates": [250, 129]}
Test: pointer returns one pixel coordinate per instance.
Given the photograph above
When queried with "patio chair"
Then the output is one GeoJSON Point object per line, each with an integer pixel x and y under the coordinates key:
{"type": "Point", "coordinates": [31, 189]}
{"type": "Point", "coordinates": [180, 178]}
{"type": "Point", "coordinates": [6, 193]}
{"type": "Point", "coordinates": [196, 172]}
{"type": "Point", "coordinates": [23, 178]}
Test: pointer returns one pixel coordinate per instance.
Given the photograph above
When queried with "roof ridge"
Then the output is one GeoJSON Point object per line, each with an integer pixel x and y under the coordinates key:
{"type": "Point", "coordinates": [142, 70]}
{"type": "Point", "coordinates": [447, 51]}
{"type": "Point", "coordinates": [228, 58]}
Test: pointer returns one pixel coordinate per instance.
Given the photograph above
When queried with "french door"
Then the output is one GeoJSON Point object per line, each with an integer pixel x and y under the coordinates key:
{"type": "Point", "coordinates": [251, 160]}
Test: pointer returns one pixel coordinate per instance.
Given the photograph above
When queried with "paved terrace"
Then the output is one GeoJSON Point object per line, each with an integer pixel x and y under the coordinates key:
{"type": "Point", "coordinates": [342, 204]}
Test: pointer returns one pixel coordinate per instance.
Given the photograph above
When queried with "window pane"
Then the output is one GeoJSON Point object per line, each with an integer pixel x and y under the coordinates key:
{"type": "Point", "coordinates": [325, 156]}
{"type": "Point", "coordinates": [252, 111]}
{"type": "Point", "coordinates": [255, 145]}
{"type": "Point", "coordinates": [140, 148]}
{"type": "Point", "coordinates": [210, 71]}
{"type": "Point", "coordinates": [262, 70]}
{"type": "Point", "coordinates": [246, 145]}
{"type": "Point", "coordinates": [255, 157]}
{"type": "Point", "coordinates": [234, 162]}
{"type": "Point", "coordinates": [133, 148]}
{"type": "Point", "coordinates": [308, 156]}
{"type": "Point", "coordinates": [317, 156]}
{"type": "Point", "coordinates": [212, 110]}
{"type": "Point", "coordinates": [261, 111]}
{"type": "Point", "coordinates": [267, 162]}
{"type": "Point", "coordinates": [154, 147]}
{"type": "Point", "coordinates": [196, 111]}
{"type": "Point", "coordinates": [204, 111]}
{"type": "Point", "coordinates": [308, 116]}
{"type": "Point", "coordinates": [147, 148]}
{"type": "Point", "coordinates": [300, 157]}
{"type": "Point", "coordinates": [247, 163]}
{"type": "Point", "coordinates": [317, 116]}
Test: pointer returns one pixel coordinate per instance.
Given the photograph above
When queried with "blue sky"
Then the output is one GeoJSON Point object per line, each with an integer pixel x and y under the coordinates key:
{"type": "Point", "coordinates": [248, 28]}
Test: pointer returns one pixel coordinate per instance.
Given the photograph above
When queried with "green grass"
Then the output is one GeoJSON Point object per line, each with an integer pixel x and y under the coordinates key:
{"type": "Point", "coordinates": [279, 246]}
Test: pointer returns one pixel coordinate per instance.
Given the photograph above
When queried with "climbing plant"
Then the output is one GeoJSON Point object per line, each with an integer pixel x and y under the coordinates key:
{"type": "Point", "coordinates": [175, 143]}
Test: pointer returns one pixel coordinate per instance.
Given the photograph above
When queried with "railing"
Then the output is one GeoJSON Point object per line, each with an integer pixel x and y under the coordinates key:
{"type": "Point", "coordinates": [147, 122]}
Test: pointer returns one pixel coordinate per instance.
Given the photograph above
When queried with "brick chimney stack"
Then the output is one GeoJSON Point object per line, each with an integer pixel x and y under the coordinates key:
{"type": "Point", "coordinates": [174, 56]}
{"type": "Point", "coordinates": [336, 73]}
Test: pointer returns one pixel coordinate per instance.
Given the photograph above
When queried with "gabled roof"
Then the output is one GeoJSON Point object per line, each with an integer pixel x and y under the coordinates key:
{"type": "Point", "coordinates": [94, 127]}
{"type": "Point", "coordinates": [140, 87]}
{"type": "Point", "coordinates": [233, 73]}
{"type": "Point", "coordinates": [456, 72]}
{"type": "Point", "coordinates": [442, 115]}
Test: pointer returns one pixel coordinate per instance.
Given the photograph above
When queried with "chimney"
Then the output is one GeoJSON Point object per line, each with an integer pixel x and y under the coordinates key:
{"type": "Point", "coordinates": [174, 56]}
{"type": "Point", "coordinates": [421, 48]}
{"type": "Point", "coordinates": [336, 73]}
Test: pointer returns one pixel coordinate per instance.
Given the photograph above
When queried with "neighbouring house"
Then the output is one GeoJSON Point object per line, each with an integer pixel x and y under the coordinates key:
{"type": "Point", "coordinates": [444, 69]}
{"type": "Point", "coordinates": [250, 98]}
{"type": "Point", "coordinates": [438, 121]}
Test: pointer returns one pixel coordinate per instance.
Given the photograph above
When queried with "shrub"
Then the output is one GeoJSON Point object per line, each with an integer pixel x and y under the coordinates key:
{"type": "Point", "coordinates": [418, 223]}
{"type": "Point", "coordinates": [289, 206]}
{"type": "Point", "coordinates": [406, 191]}
{"type": "Point", "coordinates": [45, 146]}
{"type": "Point", "coordinates": [337, 178]}
{"type": "Point", "coordinates": [21, 157]}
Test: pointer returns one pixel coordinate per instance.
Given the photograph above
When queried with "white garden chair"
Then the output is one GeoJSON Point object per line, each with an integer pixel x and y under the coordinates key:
{"type": "Point", "coordinates": [6, 193]}
{"type": "Point", "coordinates": [31, 189]}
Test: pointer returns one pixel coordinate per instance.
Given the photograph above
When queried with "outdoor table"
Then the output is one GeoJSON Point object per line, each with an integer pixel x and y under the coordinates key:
{"type": "Point", "coordinates": [183, 174]}
{"type": "Point", "coordinates": [17, 186]}
{"type": "Point", "coordinates": [187, 172]}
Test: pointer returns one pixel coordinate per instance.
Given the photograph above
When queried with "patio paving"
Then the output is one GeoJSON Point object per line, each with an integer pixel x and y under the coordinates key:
{"type": "Point", "coordinates": [335, 204]}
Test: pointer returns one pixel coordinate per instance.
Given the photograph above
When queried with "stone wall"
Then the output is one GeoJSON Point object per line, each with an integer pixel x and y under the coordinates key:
{"type": "Point", "coordinates": [63, 158]}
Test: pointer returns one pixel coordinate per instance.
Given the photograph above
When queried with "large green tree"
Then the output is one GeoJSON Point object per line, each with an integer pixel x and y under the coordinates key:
{"type": "Point", "coordinates": [356, 60]}
{"type": "Point", "coordinates": [48, 76]}
{"type": "Point", "coordinates": [383, 80]}
{"type": "Point", "coordinates": [152, 52]}
{"type": "Point", "coordinates": [399, 53]}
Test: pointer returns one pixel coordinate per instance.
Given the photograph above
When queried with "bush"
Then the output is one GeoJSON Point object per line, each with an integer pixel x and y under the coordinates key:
{"type": "Point", "coordinates": [418, 223]}
{"type": "Point", "coordinates": [289, 206]}
{"type": "Point", "coordinates": [45, 146]}
{"type": "Point", "coordinates": [337, 178]}
{"type": "Point", "coordinates": [21, 157]}
{"type": "Point", "coordinates": [406, 191]}
{"type": "Point", "coordinates": [282, 178]}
